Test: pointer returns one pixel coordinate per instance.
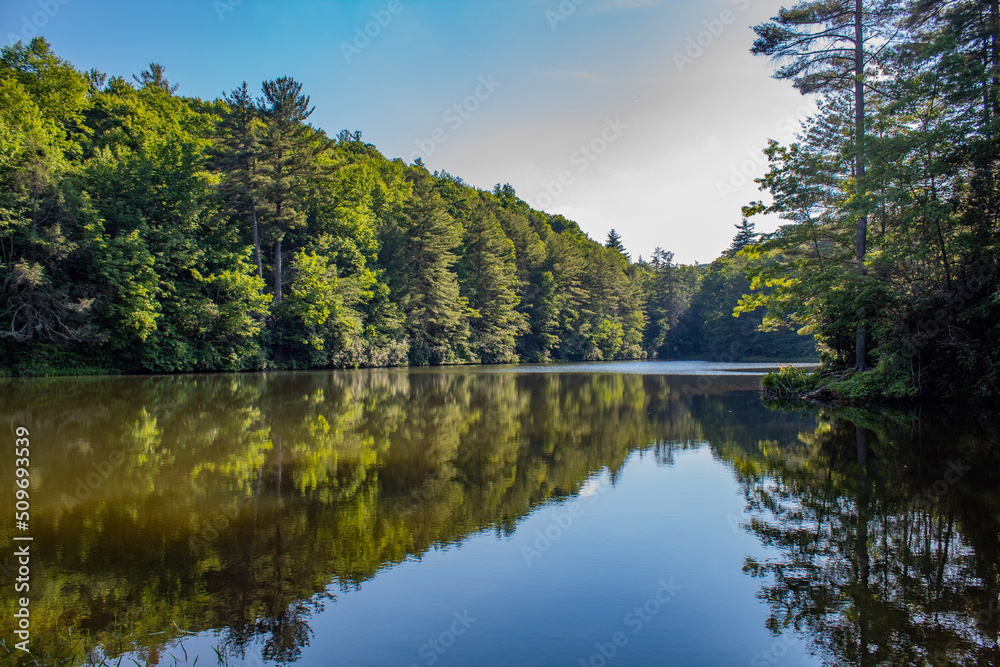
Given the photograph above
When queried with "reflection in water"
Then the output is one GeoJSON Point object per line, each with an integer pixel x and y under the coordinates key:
{"type": "Point", "coordinates": [887, 544]}
{"type": "Point", "coordinates": [166, 506]}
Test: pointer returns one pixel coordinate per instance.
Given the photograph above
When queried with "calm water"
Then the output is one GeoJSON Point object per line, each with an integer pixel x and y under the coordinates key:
{"type": "Point", "coordinates": [614, 514]}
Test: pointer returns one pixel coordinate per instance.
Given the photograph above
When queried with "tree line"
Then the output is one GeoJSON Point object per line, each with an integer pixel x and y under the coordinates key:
{"type": "Point", "coordinates": [145, 231]}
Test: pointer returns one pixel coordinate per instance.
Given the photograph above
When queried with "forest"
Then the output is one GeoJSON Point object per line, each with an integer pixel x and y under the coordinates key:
{"type": "Point", "coordinates": [143, 231]}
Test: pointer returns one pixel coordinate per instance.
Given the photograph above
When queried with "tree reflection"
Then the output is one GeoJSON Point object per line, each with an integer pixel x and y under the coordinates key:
{"type": "Point", "coordinates": [245, 502]}
{"type": "Point", "coordinates": [869, 565]}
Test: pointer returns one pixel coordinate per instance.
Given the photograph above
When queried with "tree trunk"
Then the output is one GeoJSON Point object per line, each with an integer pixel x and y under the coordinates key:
{"type": "Point", "coordinates": [256, 240]}
{"type": "Point", "coordinates": [861, 347]}
{"type": "Point", "coordinates": [277, 248]}
{"type": "Point", "coordinates": [277, 272]}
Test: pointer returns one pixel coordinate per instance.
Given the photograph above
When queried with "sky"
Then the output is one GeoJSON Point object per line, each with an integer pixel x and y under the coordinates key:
{"type": "Point", "coordinates": [643, 116]}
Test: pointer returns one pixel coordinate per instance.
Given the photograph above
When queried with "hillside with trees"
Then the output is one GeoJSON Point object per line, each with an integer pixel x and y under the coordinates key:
{"type": "Point", "coordinates": [143, 231]}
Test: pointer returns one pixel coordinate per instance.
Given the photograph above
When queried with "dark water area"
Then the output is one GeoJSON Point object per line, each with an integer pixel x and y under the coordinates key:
{"type": "Point", "coordinates": [651, 513]}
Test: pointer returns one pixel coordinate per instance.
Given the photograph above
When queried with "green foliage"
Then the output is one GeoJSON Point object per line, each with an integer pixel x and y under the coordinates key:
{"type": "Point", "coordinates": [437, 317]}
{"type": "Point", "coordinates": [886, 380]}
{"type": "Point", "coordinates": [313, 300]}
{"type": "Point", "coordinates": [709, 312]}
{"type": "Point", "coordinates": [313, 323]}
{"type": "Point", "coordinates": [608, 339]}
{"type": "Point", "coordinates": [789, 382]}
{"type": "Point", "coordinates": [487, 272]}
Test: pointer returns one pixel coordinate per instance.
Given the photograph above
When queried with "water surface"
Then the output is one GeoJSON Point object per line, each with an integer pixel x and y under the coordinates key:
{"type": "Point", "coordinates": [619, 514]}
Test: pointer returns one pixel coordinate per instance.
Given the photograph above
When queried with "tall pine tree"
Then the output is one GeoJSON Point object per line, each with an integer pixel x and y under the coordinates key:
{"type": "Point", "coordinates": [288, 162]}
{"type": "Point", "coordinates": [488, 273]}
{"type": "Point", "coordinates": [420, 253]}
{"type": "Point", "coordinates": [238, 156]}
{"type": "Point", "coordinates": [831, 47]}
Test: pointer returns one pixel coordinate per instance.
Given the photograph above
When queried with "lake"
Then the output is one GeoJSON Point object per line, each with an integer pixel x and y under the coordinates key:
{"type": "Point", "coordinates": [633, 513]}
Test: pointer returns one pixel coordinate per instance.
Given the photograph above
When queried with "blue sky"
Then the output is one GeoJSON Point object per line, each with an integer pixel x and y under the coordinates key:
{"type": "Point", "coordinates": [647, 116]}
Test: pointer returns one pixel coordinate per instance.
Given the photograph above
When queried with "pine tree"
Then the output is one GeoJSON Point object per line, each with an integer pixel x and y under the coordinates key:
{"type": "Point", "coordinates": [667, 300]}
{"type": "Point", "coordinates": [288, 162]}
{"type": "Point", "coordinates": [745, 236]}
{"type": "Point", "coordinates": [831, 47]}
{"type": "Point", "coordinates": [488, 274]}
{"type": "Point", "coordinates": [154, 77]}
{"type": "Point", "coordinates": [238, 158]}
{"type": "Point", "coordinates": [614, 242]}
{"type": "Point", "coordinates": [610, 306]}
{"type": "Point", "coordinates": [961, 45]}
{"type": "Point", "coordinates": [426, 287]}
